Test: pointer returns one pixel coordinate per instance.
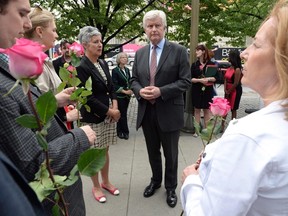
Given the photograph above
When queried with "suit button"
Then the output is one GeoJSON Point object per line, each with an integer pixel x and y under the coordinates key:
{"type": "Point", "coordinates": [107, 93]}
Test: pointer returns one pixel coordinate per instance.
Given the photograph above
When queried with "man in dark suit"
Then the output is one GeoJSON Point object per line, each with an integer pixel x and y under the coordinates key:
{"type": "Point", "coordinates": [65, 57]}
{"type": "Point", "coordinates": [17, 197]}
{"type": "Point", "coordinates": [158, 82]}
{"type": "Point", "coordinates": [20, 144]}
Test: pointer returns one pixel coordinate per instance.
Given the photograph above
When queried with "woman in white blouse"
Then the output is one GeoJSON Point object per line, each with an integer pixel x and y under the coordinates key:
{"type": "Point", "coordinates": [246, 171]}
{"type": "Point", "coordinates": [44, 31]}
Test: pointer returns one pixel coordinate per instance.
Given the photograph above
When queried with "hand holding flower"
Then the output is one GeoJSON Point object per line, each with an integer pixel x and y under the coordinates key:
{"type": "Point", "coordinates": [63, 97]}
{"type": "Point", "coordinates": [190, 170]}
{"type": "Point", "coordinates": [73, 115]}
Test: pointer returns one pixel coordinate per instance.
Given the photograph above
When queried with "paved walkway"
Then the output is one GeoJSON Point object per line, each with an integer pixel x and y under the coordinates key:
{"type": "Point", "coordinates": [130, 170]}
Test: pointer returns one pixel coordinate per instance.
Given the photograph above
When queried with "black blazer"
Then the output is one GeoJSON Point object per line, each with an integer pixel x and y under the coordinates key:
{"type": "Point", "coordinates": [102, 93]}
{"type": "Point", "coordinates": [172, 77]}
{"type": "Point", "coordinates": [121, 81]}
{"type": "Point", "coordinates": [57, 63]}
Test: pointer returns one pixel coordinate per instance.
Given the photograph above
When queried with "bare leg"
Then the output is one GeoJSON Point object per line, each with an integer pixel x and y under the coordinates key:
{"type": "Point", "coordinates": [197, 115]}
{"type": "Point", "coordinates": [105, 173]}
{"type": "Point", "coordinates": [206, 116]}
{"type": "Point", "coordinates": [96, 185]}
{"type": "Point", "coordinates": [223, 124]}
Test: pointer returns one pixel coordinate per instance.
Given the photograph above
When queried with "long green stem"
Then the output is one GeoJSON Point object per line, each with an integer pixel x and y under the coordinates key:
{"type": "Point", "coordinates": [40, 127]}
{"type": "Point", "coordinates": [215, 122]}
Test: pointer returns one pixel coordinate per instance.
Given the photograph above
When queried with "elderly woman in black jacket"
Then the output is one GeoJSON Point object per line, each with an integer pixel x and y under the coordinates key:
{"type": "Point", "coordinates": [104, 111]}
{"type": "Point", "coordinates": [121, 80]}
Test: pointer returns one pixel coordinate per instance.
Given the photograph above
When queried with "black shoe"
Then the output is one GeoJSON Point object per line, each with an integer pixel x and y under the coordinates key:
{"type": "Point", "coordinates": [171, 198]}
{"type": "Point", "coordinates": [150, 189]}
{"type": "Point", "coordinates": [126, 136]}
{"type": "Point", "coordinates": [120, 135]}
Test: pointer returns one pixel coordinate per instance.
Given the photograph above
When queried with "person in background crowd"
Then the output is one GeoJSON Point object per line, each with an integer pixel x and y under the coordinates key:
{"type": "Point", "coordinates": [64, 58]}
{"type": "Point", "coordinates": [245, 172]}
{"type": "Point", "coordinates": [103, 104]}
{"type": "Point", "coordinates": [232, 83]}
{"type": "Point", "coordinates": [159, 92]}
{"type": "Point", "coordinates": [202, 87]}
{"type": "Point", "coordinates": [44, 31]}
{"type": "Point", "coordinates": [121, 80]}
{"type": "Point", "coordinates": [20, 144]}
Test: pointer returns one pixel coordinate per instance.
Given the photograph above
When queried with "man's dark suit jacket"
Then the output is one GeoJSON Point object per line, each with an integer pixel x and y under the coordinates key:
{"type": "Point", "coordinates": [21, 146]}
{"type": "Point", "coordinates": [16, 197]}
{"type": "Point", "coordinates": [172, 77]}
{"type": "Point", "coordinates": [101, 92]}
{"type": "Point", "coordinates": [57, 63]}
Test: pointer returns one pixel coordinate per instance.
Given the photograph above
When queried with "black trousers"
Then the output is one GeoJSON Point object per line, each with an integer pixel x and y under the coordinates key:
{"type": "Point", "coordinates": [122, 124]}
{"type": "Point", "coordinates": [155, 138]}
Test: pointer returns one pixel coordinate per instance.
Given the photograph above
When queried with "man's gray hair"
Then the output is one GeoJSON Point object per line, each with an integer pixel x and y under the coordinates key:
{"type": "Point", "coordinates": [86, 33]}
{"type": "Point", "coordinates": [153, 14]}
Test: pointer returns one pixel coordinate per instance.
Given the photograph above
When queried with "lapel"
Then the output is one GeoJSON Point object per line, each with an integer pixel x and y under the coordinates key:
{"type": "Point", "coordinates": [95, 72]}
{"type": "Point", "coordinates": [164, 55]}
{"type": "Point", "coordinates": [146, 60]}
{"type": "Point", "coordinates": [125, 74]}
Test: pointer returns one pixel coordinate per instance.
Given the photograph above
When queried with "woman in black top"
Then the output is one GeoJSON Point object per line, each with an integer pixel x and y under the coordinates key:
{"type": "Point", "coordinates": [202, 87]}
{"type": "Point", "coordinates": [121, 80]}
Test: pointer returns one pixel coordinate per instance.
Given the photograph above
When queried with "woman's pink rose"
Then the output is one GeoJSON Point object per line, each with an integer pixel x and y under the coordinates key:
{"type": "Point", "coordinates": [220, 106]}
{"type": "Point", "coordinates": [26, 59]}
{"type": "Point", "coordinates": [77, 49]}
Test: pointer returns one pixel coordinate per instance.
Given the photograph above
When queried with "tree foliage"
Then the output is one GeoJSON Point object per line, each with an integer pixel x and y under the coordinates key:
{"type": "Point", "coordinates": [121, 19]}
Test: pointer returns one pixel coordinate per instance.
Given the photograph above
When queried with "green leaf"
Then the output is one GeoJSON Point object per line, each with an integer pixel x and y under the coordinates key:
{"type": "Point", "coordinates": [88, 84]}
{"type": "Point", "coordinates": [91, 161]}
{"type": "Point", "coordinates": [61, 86]}
{"type": "Point", "coordinates": [56, 211]}
{"type": "Point", "coordinates": [28, 121]}
{"type": "Point", "coordinates": [41, 191]}
{"type": "Point", "coordinates": [42, 141]}
{"type": "Point", "coordinates": [64, 74]}
{"type": "Point", "coordinates": [46, 106]}
{"type": "Point", "coordinates": [75, 61]}
{"type": "Point", "coordinates": [42, 185]}
{"type": "Point", "coordinates": [88, 109]}
{"type": "Point", "coordinates": [76, 94]}
{"type": "Point", "coordinates": [86, 93]}
{"type": "Point", "coordinates": [74, 81]}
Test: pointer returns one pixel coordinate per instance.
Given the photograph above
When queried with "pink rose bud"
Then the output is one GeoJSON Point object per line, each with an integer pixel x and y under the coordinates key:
{"type": "Point", "coordinates": [71, 68]}
{"type": "Point", "coordinates": [77, 49]}
{"type": "Point", "coordinates": [26, 59]}
{"type": "Point", "coordinates": [220, 106]}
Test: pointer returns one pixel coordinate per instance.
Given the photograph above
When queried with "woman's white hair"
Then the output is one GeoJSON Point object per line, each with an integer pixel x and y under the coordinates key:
{"type": "Point", "coordinates": [86, 33]}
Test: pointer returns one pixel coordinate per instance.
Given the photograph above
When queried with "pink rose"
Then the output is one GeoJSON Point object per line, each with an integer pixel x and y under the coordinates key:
{"type": "Point", "coordinates": [220, 106]}
{"type": "Point", "coordinates": [26, 59]}
{"type": "Point", "coordinates": [77, 49]}
{"type": "Point", "coordinates": [71, 68]}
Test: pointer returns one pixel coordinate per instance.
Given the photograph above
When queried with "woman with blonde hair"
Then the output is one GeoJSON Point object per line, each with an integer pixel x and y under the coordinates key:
{"type": "Point", "coordinates": [44, 31]}
{"type": "Point", "coordinates": [245, 172]}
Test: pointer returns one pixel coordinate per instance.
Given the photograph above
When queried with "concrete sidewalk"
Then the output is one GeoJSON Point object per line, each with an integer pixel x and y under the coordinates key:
{"type": "Point", "coordinates": [130, 170]}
